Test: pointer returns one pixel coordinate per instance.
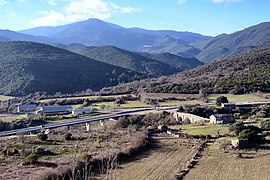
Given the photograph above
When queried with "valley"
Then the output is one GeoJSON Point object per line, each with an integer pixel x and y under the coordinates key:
{"type": "Point", "coordinates": [134, 90]}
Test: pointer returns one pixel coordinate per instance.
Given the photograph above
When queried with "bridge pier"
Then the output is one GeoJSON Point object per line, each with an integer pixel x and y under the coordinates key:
{"type": "Point", "coordinates": [87, 127]}
{"type": "Point", "coordinates": [101, 123]}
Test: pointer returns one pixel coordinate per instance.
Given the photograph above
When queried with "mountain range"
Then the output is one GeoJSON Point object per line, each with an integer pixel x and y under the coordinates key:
{"type": "Point", "coordinates": [145, 63]}
{"type": "Point", "coordinates": [94, 32]}
{"type": "Point", "coordinates": [95, 54]}
{"type": "Point", "coordinates": [243, 73]}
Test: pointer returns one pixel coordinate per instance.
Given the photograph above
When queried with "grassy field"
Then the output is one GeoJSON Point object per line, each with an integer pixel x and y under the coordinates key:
{"type": "Point", "coordinates": [216, 164]}
{"type": "Point", "coordinates": [63, 153]}
{"type": "Point", "coordinates": [126, 105]}
{"type": "Point", "coordinates": [85, 97]}
{"type": "Point", "coordinates": [162, 162]}
{"type": "Point", "coordinates": [5, 98]}
{"type": "Point", "coordinates": [203, 129]}
{"type": "Point", "coordinates": [168, 95]}
{"type": "Point", "coordinates": [235, 98]}
{"type": "Point", "coordinates": [267, 95]}
{"type": "Point", "coordinates": [179, 103]}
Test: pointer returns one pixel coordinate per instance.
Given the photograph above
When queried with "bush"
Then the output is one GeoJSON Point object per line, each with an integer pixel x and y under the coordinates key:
{"type": "Point", "coordinates": [31, 159]}
{"type": "Point", "coordinates": [265, 125]}
{"type": "Point", "coordinates": [250, 133]}
{"type": "Point", "coordinates": [221, 99]}
{"type": "Point", "coordinates": [237, 127]}
{"type": "Point", "coordinates": [40, 150]}
{"type": "Point", "coordinates": [42, 136]}
{"type": "Point", "coordinates": [67, 136]}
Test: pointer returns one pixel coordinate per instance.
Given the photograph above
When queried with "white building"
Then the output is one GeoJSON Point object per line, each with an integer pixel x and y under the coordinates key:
{"type": "Point", "coordinates": [54, 110]}
{"type": "Point", "coordinates": [81, 111]}
{"type": "Point", "coordinates": [26, 108]}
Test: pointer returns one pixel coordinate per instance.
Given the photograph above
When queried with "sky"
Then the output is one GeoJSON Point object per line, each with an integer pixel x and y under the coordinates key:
{"type": "Point", "coordinates": [207, 17]}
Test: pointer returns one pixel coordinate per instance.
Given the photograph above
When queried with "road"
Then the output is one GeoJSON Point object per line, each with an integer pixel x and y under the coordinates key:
{"type": "Point", "coordinates": [77, 121]}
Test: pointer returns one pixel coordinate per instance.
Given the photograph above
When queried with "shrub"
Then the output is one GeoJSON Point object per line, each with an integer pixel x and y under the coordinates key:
{"type": "Point", "coordinates": [42, 136]}
{"type": "Point", "coordinates": [237, 127]}
{"type": "Point", "coordinates": [250, 133]}
{"type": "Point", "coordinates": [40, 150]}
{"type": "Point", "coordinates": [67, 136]}
{"type": "Point", "coordinates": [265, 125]}
{"type": "Point", "coordinates": [221, 99]}
{"type": "Point", "coordinates": [31, 159]}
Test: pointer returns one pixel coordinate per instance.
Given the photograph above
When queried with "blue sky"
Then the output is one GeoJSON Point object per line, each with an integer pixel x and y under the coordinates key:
{"type": "Point", "coordinates": [208, 17]}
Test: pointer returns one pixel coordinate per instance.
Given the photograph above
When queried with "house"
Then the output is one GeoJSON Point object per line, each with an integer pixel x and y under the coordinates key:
{"type": "Point", "coordinates": [26, 108]}
{"type": "Point", "coordinates": [228, 105]}
{"type": "Point", "coordinates": [240, 143]}
{"type": "Point", "coordinates": [54, 110]}
{"type": "Point", "coordinates": [81, 111]}
{"type": "Point", "coordinates": [222, 119]}
{"type": "Point", "coordinates": [163, 128]}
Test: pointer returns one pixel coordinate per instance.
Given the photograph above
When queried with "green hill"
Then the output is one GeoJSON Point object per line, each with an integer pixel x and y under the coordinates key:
{"type": "Point", "coordinates": [181, 63]}
{"type": "Point", "coordinates": [126, 59]}
{"type": "Point", "coordinates": [28, 67]}
{"type": "Point", "coordinates": [229, 44]}
{"type": "Point", "coordinates": [246, 72]}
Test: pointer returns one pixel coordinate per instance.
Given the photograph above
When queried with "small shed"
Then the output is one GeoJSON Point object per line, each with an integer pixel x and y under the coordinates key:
{"type": "Point", "coordinates": [221, 119]}
{"type": "Point", "coordinates": [162, 127]}
{"type": "Point", "coordinates": [240, 143]}
{"type": "Point", "coordinates": [228, 105]}
{"type": "Point", "coordinates": [81, 111]}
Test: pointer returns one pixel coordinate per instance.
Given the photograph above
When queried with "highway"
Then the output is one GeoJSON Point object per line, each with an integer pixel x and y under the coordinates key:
{"type": "Point", "coordinates": [76, 121]}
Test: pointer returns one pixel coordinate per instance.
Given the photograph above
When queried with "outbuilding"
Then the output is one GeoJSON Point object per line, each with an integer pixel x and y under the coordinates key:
{"type": "Point", "coordinates": [81, 111]}
{"type": "Point", "coordinates": [222, 119]}
{"type": "Point", "coordinates": [26, 108]}
{"type": "Point", "coordinates": [54, 110]}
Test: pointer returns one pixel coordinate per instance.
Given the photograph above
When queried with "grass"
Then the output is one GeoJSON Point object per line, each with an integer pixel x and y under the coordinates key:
{"type": "Point", "coordinates": [162, 162]}
{"type": "Point", "coordinates": [267, 95]}
{"type": "Point", "coordinates": [85, 97]}
{"type": "Point", "coordinates": [179, 103]}
{"type": "Point", "coordinates": [235, 98]}
{"type": "Point", "coordinates": [126, 105]}
{"type": "Point", "coordinates": [5, 98]}
{"type": "Point", "coordinates": [216, 164]}
{"type": "Point", "coordinates": [22, 116]}
{"type": "Point", "coordinates": [168, 95]}
{"type": "Point", "coordinates": [203, 129]}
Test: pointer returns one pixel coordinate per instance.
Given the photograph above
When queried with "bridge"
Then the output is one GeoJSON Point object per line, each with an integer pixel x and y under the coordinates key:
{"type": "Point", "coordinates": [85, 121]}
{"type": "Point", "coordinates": [193, 119]}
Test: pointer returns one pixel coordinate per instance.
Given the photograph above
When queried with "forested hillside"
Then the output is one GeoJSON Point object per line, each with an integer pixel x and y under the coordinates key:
{"type": "Point", "coordinates": [246, 72]}
{"type": "Point", "coordinates": [28, 67]}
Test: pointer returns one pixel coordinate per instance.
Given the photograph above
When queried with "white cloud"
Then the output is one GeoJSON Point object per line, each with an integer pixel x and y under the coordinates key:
{"type": "Point", "coordinates": [12, 14]}
{"type": "Point", "coordinates": [181, 2]}
{"type": "Point", "coordinates": [49, 18]}
{"type": "Point", "coordinates": [3, 2]}
{"type": "Point", "coordinates": [77, 10]}
{"type": "Point", "coordinates": [51, 2]}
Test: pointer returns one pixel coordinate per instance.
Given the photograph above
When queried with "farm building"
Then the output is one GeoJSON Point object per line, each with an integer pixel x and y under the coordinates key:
{"type": "Point", "coordinates": [26, 108]}
{"type": "Point", "coordinates": [228, 105]}
{"type": "Point", "coordinates": [221, 119]}
{"type": "Point", "coordinates": [81, 111]}
{"type": "Point", "coordinates": [54, 110]}
{"type": "Point", "coordinates": [240, 143]}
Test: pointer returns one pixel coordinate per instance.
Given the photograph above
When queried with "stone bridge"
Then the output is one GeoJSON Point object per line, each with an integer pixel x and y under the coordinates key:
{"type": "Point", "coordinates": [193, 119]}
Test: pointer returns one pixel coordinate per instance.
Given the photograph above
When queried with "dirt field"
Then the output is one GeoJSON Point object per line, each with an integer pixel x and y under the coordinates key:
{"type": "Point", "coordinates": [161, 162]}
{"type": "Point", "coordinates": [215, 164]}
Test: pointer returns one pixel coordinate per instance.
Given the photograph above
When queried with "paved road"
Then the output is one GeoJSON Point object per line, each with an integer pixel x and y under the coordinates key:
{"type": "Point", "coordinates": [77, 121]}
